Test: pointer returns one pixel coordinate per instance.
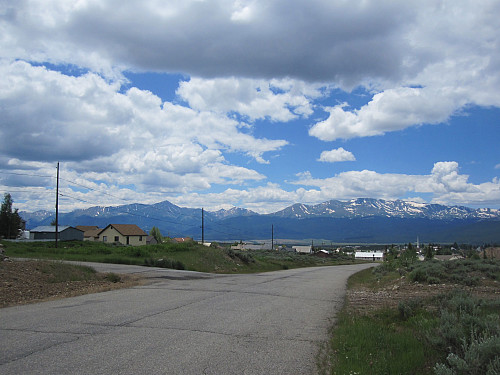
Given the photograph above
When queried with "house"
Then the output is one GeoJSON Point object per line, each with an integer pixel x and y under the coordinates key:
{"type": "Point", "coordinates": [150, 240]}
{"type": "Point", "coordinates": [448, 257]}
{"type": "Point", "coordinates": [251, 246]}
{"type": "Point", "coordinates": [303, 249]}
{"type": "Point", "coordinates": [90, 232]}
{"type": "Point", "coordinates": [182, 239]}
{"type": "Point", "coordinates": [369, 255]}
{"type": "Point", "coordinates": [322, 253]}
{"type": "Point", "coordinates": [126, 234]}
{"type": "Point", "coordinates": [286, 248]}
{"type": "Point", "coordinates": [239, 246]}
{"type": "Point", "coordinates": [64, 233]}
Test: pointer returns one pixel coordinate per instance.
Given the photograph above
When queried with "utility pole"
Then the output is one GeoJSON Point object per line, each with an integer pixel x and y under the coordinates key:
{"type": "Point", "coordinates": [57, 204]}
{"type": "Point", "coordinates": [202, 227]}
{"type": "Point", "coordinates": [272, 236]}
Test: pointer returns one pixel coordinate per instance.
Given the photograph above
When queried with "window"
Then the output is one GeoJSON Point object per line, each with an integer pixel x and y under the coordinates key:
{"type": "Point", "coordinates": [140, 238]}
{"type": "Point", "coordinates": [104, 238]}
{"type": "Point", "coordinates": [117, 239]}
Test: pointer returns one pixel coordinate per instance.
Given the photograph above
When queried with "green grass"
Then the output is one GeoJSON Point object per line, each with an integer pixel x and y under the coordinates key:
{"type": "Point", "coordinates": [453, 333]}
{"type": "Point", "coordinates": [376, 344]}
{"type": "Point", "coordinates": [189, 256]}
{"type": "Point", "coordinates": [58, 272]}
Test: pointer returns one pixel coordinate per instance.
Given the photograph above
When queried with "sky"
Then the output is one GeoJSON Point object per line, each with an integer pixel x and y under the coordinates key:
{"type": "Point", "coordinates": [256, 104]}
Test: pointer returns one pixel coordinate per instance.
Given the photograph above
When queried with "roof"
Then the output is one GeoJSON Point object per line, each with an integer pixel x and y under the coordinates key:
{"type": "Point", "coordinates": [86, 228]}
{"type": "Point", "coordinates": [126, 229]}
{"type": "Point", "coordinates": [51, 229]}
{"type": "Point", "coordinates": [182, 239]}
{"type": "Point", "coordinates": [89, 230]}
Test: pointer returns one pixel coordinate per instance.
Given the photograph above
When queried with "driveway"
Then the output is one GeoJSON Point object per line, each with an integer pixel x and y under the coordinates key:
{"type": "Point", "coordinates": [180, 323]}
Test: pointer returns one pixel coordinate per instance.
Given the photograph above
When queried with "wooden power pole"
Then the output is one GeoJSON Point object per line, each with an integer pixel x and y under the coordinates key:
{"type": "Point", "coordinates": [202, 227]}
{"type": "Point", "coordinates": [272, 236]}
{"type": "Point", "coordinates": [57, 204]}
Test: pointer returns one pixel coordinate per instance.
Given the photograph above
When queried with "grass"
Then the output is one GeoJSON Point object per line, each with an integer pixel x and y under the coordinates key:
{"type": "Point", "coordinates": [188, 256]}
{"type": "Point", "coordinates": [58, 272]}
{"type": "Point", "coordinates": [453, 333]}
{"type": "Point", "coordinates": [376, 345]}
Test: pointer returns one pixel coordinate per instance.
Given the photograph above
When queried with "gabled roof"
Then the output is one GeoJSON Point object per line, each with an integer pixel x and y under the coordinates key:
{"type": "Point", "coordinates": [89, 231]}
{"type": "Point", "coordinates": [126, 229]}
{"type": "Point", "coordinates": [86, 228]}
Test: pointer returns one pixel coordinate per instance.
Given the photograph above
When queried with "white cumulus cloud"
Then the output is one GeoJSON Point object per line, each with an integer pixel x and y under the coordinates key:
{"type": "Point", "coordinates": [336, 155]}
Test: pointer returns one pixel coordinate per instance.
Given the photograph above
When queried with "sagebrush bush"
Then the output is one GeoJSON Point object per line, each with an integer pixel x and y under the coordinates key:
{"type": "Point", "coordinates": [245, 257]}
{"type": "Point", "coordinates": [481, 355]}
{"type": "Point", "coordinates": [463, 271]}
{"type": "Point", "coordinates": [164, 263]}
{"type": "Point", "coordinates": [471, 336]}
{"type": "Point", "coordinates": [409, 308]}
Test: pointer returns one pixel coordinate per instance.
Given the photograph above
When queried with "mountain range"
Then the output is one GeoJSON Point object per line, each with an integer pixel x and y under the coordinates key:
{"type": "Point", "coordinates": [363, 220]}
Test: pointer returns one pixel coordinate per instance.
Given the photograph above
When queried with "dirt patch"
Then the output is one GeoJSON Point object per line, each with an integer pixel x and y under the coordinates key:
{"type": "Point", "coordinates": [24, 282]}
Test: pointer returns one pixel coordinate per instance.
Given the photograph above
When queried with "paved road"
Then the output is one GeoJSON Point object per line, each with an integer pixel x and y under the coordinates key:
{"type": "Point", "coordinates": [180, 323]}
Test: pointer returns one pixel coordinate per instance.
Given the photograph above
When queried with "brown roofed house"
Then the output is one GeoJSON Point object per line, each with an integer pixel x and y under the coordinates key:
{"type": "Point", "coordinates": [126, 234]}
{"type": "Point", "coordinates": [90, 232]}
{"type": "Point", "coordinates": [182, 239]}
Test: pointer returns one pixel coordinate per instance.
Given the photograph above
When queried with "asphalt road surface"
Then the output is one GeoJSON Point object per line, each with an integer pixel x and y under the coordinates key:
{"type": "Point", "coordinates": [180, 323]}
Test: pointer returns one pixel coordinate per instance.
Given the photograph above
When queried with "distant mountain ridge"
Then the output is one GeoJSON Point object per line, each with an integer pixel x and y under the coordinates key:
{"type": "Point", "coordinates": [363, 207]}
{"type": "Point", "coordinates": [356, 220]}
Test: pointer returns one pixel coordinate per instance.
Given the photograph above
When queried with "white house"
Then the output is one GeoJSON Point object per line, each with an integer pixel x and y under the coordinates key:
{"type": "Point", "coordinates": [126, 234]}
{"type": "Point", "coordinates": [303, 249]}
{"type": "Point", "coordinates": [369, 255]}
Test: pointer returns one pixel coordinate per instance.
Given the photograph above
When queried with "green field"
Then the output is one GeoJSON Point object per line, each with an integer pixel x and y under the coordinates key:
{"type": "Point", "coordinates": [189, 256]}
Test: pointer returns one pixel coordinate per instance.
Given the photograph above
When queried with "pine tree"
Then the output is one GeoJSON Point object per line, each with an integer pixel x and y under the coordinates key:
{"type": "Point", "coordinates": [10, 222]}
{"type": "Point", "coordinates": [429, 252]}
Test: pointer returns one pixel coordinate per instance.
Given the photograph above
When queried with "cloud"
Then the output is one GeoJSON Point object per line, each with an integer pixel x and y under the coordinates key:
{"type": "Point", "coordinates": [424, 62]}
{"type": "Point", "coordinates": [336, 155]}
{"type": "Point", "coordinates": [278, 100]}
{"type": "Point", "coordinates": [335, 41]}
{"type": "Point", "coordinates": [440, 80]}
{"type": "Point", "coordinates": [122, 138]}
{"type": "Point", "coordinates": [445, 184]}
{"type": "Point", "coordinates": [48, 115]}
{"type": "Point", "coordinates": [445, 178]}
{"type": "Point", "coordinates": [391, 110]}
{"type": "Point", "coordinates": [421, 63]}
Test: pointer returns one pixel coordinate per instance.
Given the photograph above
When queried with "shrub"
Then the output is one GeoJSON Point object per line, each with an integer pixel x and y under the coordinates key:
{"type": "Point", "coordinates": [409, 308]}
{"type": "Point", "coordinates": [481, 355]}
{"type": "Point", "coordinates": [418, 275]}
{"type": "Point", "coordinates": [113, 277]}
{"type": "Point", "coordinates": [465, 272]}
{"type": "Point", "coordinates": [164, 263]}
{"type": "Point", "coordinates": [471, 337]}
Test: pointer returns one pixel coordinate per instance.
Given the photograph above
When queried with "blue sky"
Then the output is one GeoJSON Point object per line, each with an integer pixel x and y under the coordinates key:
{"type": "Point", "coordinates": [255, 104]}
